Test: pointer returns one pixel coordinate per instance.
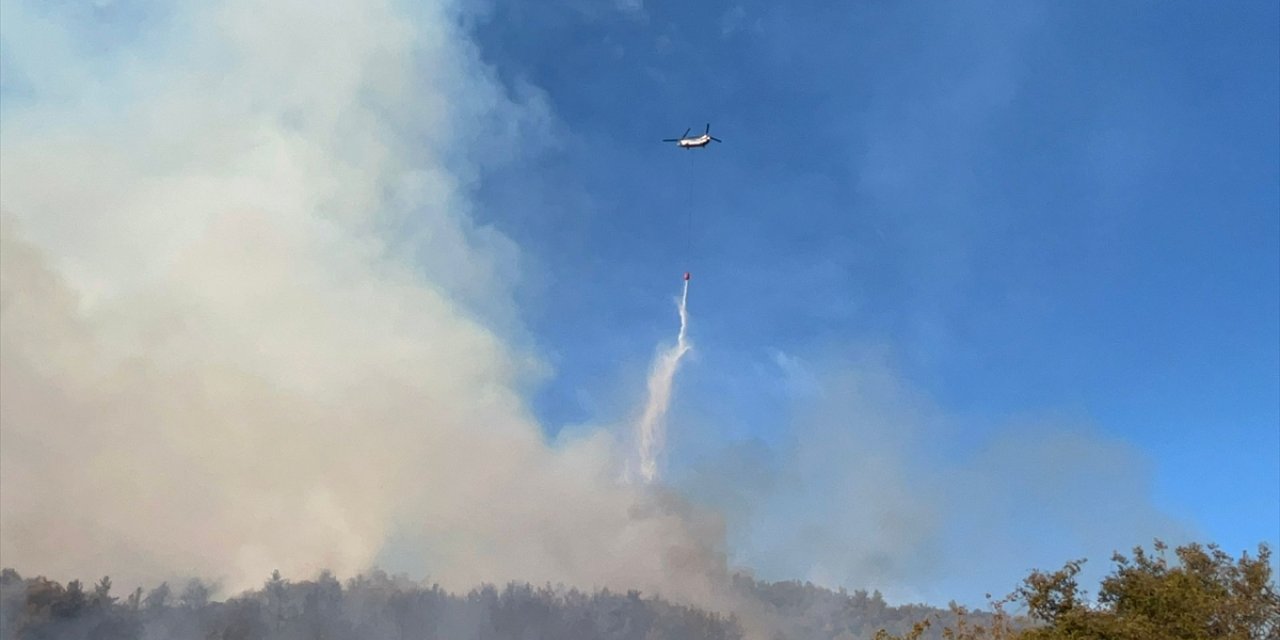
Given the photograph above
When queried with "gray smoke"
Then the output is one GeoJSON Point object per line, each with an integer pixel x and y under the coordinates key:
{"type": "Point", "coordinates": [248, 323]}
{"type": "Point", "coordinates": [878, 488]}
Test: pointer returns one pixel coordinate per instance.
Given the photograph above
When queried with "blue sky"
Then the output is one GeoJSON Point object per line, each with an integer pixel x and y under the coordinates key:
{"type": "Point", "coordinates": [977, 287]}
{"type": "Point", "coordinates": [1044, 211]}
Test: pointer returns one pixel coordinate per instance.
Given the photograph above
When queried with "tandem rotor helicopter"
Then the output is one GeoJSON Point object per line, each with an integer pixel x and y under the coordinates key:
{"type": "Point", "coordinates": [686, 142]}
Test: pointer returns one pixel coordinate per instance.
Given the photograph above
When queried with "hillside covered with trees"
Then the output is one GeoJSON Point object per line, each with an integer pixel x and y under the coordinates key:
{"type": "Point", "coordinates": [383, 607]}
{"type": "Point", "coordinates": [1199, 593]}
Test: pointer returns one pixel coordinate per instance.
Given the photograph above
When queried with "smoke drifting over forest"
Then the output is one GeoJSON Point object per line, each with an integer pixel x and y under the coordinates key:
{"type": "Point", "coordinates": [250, 324]}
{"type": "Point", "coordinates": [377, 606]}
{"type": "Point", "coordinates": [218, 357]}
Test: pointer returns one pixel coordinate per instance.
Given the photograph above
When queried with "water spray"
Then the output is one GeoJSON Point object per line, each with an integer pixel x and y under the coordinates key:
{"type": "Point", "coordinates": [652, 426]}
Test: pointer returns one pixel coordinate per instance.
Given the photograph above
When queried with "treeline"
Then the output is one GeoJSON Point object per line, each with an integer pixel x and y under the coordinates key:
{"type": "Point", "coordinates": [373, 607]}
{"type": "Point", "coordinates": [1191, 593]}
{"type": "Point", "coordinates": [803, 611]}
{"type": "Point", "coordinates": [382, 607]}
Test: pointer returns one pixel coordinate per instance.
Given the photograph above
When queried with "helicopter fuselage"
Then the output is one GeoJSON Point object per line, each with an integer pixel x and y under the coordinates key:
{"type": "Point", "coordinates": [700, 141]}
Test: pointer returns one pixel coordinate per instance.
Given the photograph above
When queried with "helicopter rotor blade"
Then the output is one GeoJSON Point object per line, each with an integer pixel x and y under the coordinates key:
{"type": "Point", "coordinates": [707, 130]}
{"type": "Point", "coordinates": [716, 139]}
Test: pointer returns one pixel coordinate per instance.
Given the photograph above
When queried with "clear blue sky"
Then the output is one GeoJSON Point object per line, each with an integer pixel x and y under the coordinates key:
{"type": "Point", "coordinates": [1035, 209]}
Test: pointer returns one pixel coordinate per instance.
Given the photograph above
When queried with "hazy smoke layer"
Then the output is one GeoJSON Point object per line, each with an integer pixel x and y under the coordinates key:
{"type": "Point", "coordinates": [651, 429]}
{"type": "Point", "coordinates": [875, 487]}
{"type": "Point", "coordinates": [241, 305]}
{"type": "Point", "coordinates": [248, 324]}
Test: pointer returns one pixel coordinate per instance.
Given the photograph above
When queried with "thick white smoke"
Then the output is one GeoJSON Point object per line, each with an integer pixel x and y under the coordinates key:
{"type": "Point", "coordinates": [651, 428]}
{"type": "Point", "coordinates": [248, 323]}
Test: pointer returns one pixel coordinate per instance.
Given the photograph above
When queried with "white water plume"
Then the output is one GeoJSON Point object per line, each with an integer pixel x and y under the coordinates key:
{"type": "Point", "coordinates": [652, 426]}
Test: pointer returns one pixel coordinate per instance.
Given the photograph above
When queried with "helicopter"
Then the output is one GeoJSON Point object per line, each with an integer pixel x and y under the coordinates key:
{"type": "Point", "coordinates": [697, 141]}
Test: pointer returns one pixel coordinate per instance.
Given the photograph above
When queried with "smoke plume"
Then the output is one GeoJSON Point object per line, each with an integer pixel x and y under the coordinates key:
{"type": "Point", "coordinates": [249, 324]}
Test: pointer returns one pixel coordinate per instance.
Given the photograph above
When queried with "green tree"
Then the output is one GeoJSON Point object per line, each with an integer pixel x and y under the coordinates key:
{"type": "Point", "coordinates": [73, 601]}
{"type": "Point", "coordinates": [917, 631]}
{"type": "Point", "coordinates": [1000, 625]}
{"type": "Point", "coordinates": [102, 598]}
{"type": "Point", "coordinates": [44, 596]}
{"type": "Point", "coordinates": [276, 589]}
{"type": "Point", "coordinates": [135, 600]}
{"type": "Point", "coordinates": [1204, 595]}
{"type": "Point", "coordinates": [196, 594]}
{"type": "Point", "coordinates": [158, 598]}
{"type": "Point", "coordinates": [1200, 594]}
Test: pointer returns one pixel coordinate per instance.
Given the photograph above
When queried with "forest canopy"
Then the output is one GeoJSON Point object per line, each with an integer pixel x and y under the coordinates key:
{"type": "Point", "coordinates": [1192, 592]}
